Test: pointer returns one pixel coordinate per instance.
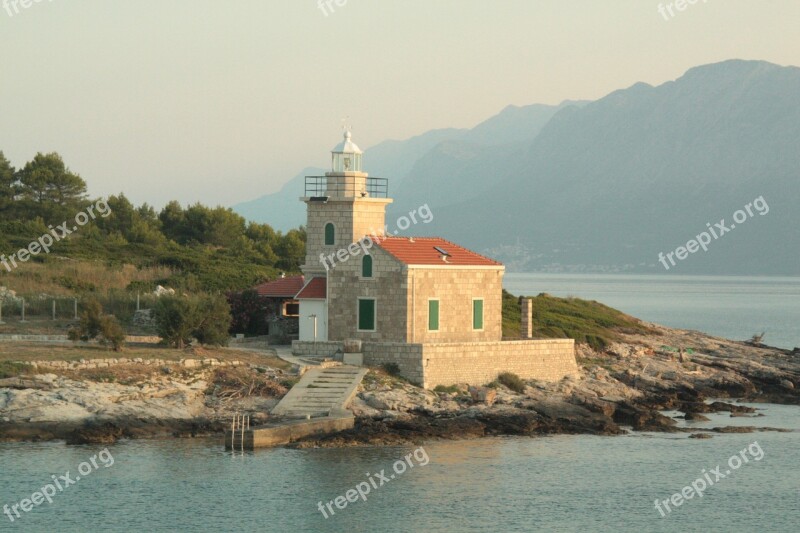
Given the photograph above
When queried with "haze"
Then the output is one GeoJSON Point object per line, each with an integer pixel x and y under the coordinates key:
{"type": "Point", "coordinates": [221, 102]}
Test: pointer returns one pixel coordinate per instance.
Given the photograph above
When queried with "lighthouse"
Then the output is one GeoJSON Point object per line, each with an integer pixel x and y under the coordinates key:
{"type": "Point", "coordinates": [343, 206]}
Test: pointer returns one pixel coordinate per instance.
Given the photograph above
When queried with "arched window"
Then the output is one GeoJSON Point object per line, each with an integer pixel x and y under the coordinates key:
{"type": "Point", "coordinates": [366, 267]}
{"type": "Point", "coordinates": [330, 234]}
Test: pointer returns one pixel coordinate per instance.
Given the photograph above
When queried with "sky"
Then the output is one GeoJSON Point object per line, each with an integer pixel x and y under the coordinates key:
{"type": "Point", "coordinates": [222, 102]}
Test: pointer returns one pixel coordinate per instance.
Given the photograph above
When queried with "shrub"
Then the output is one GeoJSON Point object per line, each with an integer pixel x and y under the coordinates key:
{"type": "Point", "coordinates": [96, 325]}
{"type": "Point", "coordinates": [180, 318]}
{"type": "Point", "coordinates": [393, 369]}
{"type": "Point", "coordinates": [446, 389]}
{"type": "Point", "coordinates": [215, 321]}
{"type": "Point", "coordinates": [512, 381]}
{"type": "Point", "coordinates": [112, 333]}
{"type": "Point", "coordinates": [176, 319]}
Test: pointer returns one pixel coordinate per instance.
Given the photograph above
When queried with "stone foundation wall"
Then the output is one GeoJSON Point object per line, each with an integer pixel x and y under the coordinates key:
{"type": "Point", "coordinates": [326, 348]}
{"type": "Point", "coordinates": [407, 356]}
{"type": "Point", "coordinates": [475, 363]}
{"type": "Point", "coordinates": [478, 363]}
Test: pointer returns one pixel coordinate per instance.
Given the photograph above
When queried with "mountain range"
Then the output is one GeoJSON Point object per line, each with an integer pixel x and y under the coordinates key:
{"type": "Point", "coordinates": [607, 186]}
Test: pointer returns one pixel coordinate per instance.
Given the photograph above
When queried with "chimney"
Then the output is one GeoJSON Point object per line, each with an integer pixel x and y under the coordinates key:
{"type": "Point", "coordinates": [526, 331]}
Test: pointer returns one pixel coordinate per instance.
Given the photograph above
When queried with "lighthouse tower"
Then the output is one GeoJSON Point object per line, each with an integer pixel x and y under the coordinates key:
{"type": "Point", "coordinates": [343, 206]}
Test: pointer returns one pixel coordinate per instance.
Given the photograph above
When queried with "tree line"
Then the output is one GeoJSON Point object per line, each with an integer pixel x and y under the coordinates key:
{"type": "Point", "coordinates": [210, 249]}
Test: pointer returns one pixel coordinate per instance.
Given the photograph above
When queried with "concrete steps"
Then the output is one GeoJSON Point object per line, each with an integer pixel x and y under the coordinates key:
{"type": "Point", "coordinates": [321, 392]}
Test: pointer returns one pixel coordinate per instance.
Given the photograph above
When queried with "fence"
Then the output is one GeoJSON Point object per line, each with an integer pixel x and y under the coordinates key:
{"type": "Point", "coordinates": [123, 306]}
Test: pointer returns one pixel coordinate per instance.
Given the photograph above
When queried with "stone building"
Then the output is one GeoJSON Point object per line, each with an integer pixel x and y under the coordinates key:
{"type": "Point", "coordinates": [431, 306]}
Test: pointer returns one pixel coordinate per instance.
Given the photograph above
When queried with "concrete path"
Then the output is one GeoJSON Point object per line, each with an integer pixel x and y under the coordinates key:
{"type": "Point", "coordinates": [321, 392]}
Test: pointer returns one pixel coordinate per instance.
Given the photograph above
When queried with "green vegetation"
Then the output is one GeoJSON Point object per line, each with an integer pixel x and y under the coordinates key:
{"type": "Point", "coordinates": [393, 369]}
{"type": "Point", "coordinates": [512, 381]}
{"type": "Point", "coordinates": [585, 321]}
{"type": "Point", "coordinates": [180, 318]}
{"type": "Point", "coordinates": [10, 369]}
{"type": "Point", "coordinates": [194, 249]}
{"type": "Point", "coordinates": [96, 325]}
{"type": "Point", "coordinates": [449, 389]}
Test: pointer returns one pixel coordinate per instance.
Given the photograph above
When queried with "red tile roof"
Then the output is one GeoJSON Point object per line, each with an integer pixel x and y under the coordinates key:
{"type": "Point", "coordinates": [422, 251]}
{"type": "Point", "coordinates": [316, 289]}
{"type": "Point", "coordinates": [281, 288]}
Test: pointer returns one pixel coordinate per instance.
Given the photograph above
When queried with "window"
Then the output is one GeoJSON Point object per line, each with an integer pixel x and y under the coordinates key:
{"type": "Point", "coordinates": [291, 308]}
{"type": "Point", "coordinates": [366, 267]}
{"type": "Point", "coordinates": [330, 234]}
{"type": "Point", "coordinates": [477, 314]}
{"type": "Point", "coordinates": [433, 315]}
{"type": "Point", "coordinates": [366, 314]}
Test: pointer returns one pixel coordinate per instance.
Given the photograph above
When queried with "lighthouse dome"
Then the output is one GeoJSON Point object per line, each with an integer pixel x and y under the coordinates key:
{"type": "Point", "coordinates": [347, 146]}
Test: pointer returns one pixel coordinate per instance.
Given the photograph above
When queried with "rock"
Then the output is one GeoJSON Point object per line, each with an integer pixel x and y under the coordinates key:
{"type": "Point", "coordinates": [483, 395]}
{"type": "Point", "coordinates": [144, 318]}
{"type": "Point", "coordinates": [107, 433]}
{"type": "Point", "coordinates": [734, 429]}
{"type": "Point", "coordinates": [642, 419]}
{"type": "Point", "coordinates": [190, 363]}
{"type": "Point", "coordinates": [786, 384]}
{"type": "Point", "coordinates": [700, 436]}
{"type": "Point", "coordinates": [696, 417]}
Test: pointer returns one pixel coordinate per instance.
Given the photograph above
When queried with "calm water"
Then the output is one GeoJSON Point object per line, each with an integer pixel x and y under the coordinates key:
{"type": "Point", "coordinates": [731, 307]}
{"type": "Point", "coordinates": [564, 483]}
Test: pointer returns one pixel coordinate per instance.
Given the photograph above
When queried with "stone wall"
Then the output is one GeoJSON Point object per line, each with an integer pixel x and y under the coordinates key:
{"type": "Point", "coordinates": [455, 289]}
{"type": "Point", "coordinates": [387, 286]}
{"type": "Point", "coordinates": [352, 218]}
{"type": "Point", "coordinates": [91, 364]}
{"type": "Point", "coordinates": [473, 363]}
{"type": "Point", "coordinates": [479, 363]}
{"type": "Point", "coordinates": [326, 348]}
{"type": "Point", "coordinates": [132, 339]}
{"type": "Point", "coordinates": [407, 356]}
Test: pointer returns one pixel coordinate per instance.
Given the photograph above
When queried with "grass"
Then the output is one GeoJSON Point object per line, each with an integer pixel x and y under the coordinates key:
{"type": "Point", "coordinates": [587, 322]}
{"type": "Point", "coordinates": [39, 351]}
{"type": "Point", "coordinates": [59, 276]}
{"type": "Point", "coordinates": [10, 369]}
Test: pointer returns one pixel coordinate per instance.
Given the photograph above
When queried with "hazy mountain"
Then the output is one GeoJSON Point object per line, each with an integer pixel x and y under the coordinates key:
{"type": "Point", "coordinates": [423, 157]}
{"type": "Point", "coordinates": [641, 171]}
{"type": "Point", "coordinates": [393, 159]}
{"type": "Point", "coordinates": [607, 185]}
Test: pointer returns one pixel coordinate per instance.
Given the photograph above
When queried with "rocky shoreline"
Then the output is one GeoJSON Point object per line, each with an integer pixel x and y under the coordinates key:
{"type": "Point", "coordinates": [625, 387]}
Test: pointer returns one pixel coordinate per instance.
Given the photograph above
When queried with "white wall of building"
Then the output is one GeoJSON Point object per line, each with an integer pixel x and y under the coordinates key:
{"type": "Point", "coordinates": [308, 308]}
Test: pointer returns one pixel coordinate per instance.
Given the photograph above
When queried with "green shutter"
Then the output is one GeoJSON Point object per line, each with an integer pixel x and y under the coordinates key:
{"type": "Point", "coordinates": [366, 267]}
{"type": "Point", "coordinates": [477, 314]}
{"type": "Point", "coordinates": [433, 315]}
{"type": "Point", "coordinates": [330, 234]}
{"type": "Point", "coordinates": [366, 315]}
